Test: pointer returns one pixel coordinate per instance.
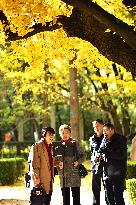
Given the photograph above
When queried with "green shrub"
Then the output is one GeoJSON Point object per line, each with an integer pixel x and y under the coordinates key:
{"type": "Point", "coordinates": [7, 171]}
{"type": "Point", "coordinates": [131, 169]}
{"type": "Point", "coordinates": [131, 189]}
{"type": "Point", "coordinates": [20, 166]}
{"type": "Point", "coordinates": [10, 170]}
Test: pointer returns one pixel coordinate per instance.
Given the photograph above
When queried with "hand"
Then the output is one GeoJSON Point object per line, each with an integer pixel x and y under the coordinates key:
{"type": "Point", "coordinates": [60, 165]}
{"type": "Point", "coordinates": [37, 181]}
{"type": "Point", "coordinates": [75, 164]}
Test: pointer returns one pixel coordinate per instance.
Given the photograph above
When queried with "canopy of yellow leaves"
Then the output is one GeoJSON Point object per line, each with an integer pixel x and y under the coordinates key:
{"type": "Point", "coordinates": [54, 48]}
{"type": "Point", "coordinates": [23, 14]}
{"type": "Point", "coordinates": [56, 45]}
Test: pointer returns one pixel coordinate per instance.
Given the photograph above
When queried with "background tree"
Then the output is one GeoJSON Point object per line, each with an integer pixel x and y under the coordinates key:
{"type": "Point", "coordinates": [33, 37]}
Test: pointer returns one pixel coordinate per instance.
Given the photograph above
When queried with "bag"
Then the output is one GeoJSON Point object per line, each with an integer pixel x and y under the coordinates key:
{"type": "Point", "coordinates": [38, 196]}
{"type": "Point", "coordinates": [82, 171]}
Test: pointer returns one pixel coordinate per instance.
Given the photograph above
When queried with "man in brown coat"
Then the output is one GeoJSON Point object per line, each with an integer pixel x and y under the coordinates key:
{"type": "Point", "coordinates": [41, 163]}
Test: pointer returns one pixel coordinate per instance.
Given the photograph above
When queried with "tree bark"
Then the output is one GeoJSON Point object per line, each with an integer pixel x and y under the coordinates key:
{"type": "Point", "coordinates": [74, 104]}
{"type": "Point", "coordinates": [36, 130]}
{"type": "Point", "coordinates": [110, 45]}
{"type": "Point", "coordinates": [116, 121]}
{"type": "Point", "coordinates": [126, 122]}
{"type": "Point", "coordinates": [0, 135]}
{"type": "Point", "coordinates": [45, 97]}
{"type": "Point", "coordinates": [110, 21]}
{"type": "Point", "coordinates": [58, 115]}
{"type": "Point", "coordinates": [52, 117]}
{"type": "Point", "coordinates": [31, 125]}
{"type": "Point", "coordinates": [20, 130]}
{"type": "Point", "coordinates": [81, 126]}
{"type": "Point", "coordinates": [15, 131]}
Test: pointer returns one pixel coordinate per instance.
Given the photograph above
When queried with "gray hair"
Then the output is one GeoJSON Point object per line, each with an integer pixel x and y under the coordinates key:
{"type": "Point", "coordinates": [62, 127]}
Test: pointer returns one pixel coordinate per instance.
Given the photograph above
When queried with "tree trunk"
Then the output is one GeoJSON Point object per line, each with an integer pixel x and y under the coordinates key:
{"type": "Point", "coordinates": [81, 126]}
{"type": "Point", "coordinates": [58, 115]}
{"type": "Point", "coordinates": [52, 117]}
{"type": "Point", "coordinates": [116, 121]}
{"type": "Point", "coordinates": [20, 130]}
{"type": "Point", "coordinates": [45, 97]}
{"type": "Point", "coordinates": [45, 108]}
{"type": "Point", "coordinates": [74, 104]}
{"type": "Point", "coordinates": [31, 129]}
{"type": "Point", "coordinates": [36, 130]}
{"type": "Point", "coordinates": [126, 122]}
{"type": "Point", "coordinates": [15, 131]}
{"type": "Point", "coordinates": [0, 135]}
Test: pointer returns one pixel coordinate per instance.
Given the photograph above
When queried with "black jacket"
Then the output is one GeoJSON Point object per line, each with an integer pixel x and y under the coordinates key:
{"type": "Point", "coordinates": [116, 156]}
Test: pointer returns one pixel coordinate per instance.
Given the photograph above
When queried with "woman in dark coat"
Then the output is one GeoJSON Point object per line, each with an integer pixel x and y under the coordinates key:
{"type": "Point", "coordinates": [71, 176]}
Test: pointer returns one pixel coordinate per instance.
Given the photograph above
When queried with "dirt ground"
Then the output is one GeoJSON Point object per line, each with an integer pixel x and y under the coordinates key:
{"type": "Point", "coordinates": [19, 194]}
{"type": "Point", "coordinates": [13, 202]}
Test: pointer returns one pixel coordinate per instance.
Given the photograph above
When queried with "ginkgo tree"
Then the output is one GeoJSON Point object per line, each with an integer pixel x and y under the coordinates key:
{"type": "Point", "coordinates": [39, 79]}
{"type": "Point", "coordinates": [108, 25]}
{"type": "Point", "coordinates": [29, 77]}
{"type": "Point", "coordinates": [42, 35]}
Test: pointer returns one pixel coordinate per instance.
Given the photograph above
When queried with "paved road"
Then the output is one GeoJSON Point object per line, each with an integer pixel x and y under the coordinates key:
{"type": "Point", "coordinates": [13, 195]}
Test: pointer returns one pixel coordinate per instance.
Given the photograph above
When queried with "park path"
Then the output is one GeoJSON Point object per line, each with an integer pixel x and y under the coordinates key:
{"type": "Point", "coordinates": [19, 195]}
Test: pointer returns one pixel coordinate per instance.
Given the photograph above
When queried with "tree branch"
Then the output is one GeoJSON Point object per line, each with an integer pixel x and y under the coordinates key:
{"type": "Point", "coordinates": [110, 21]}
{"type": "Point", "coordinates": [37, 28]}
{"type": "Point", "coordinates": [110, 45]}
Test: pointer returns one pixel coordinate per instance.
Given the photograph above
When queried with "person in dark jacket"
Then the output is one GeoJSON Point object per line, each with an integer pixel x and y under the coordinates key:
{"type": "Point", "coordinates": [96, 166]}
{"type": "Point", "coordinates": [71, 176]}
{"type": "Point", "coordinates": [114, 148]}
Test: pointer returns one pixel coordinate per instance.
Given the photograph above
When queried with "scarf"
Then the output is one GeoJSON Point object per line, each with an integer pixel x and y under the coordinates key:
{"type": "Point", "coordinates": [49, 149]}
{"type": "Point", "coordinates": [66, 140]}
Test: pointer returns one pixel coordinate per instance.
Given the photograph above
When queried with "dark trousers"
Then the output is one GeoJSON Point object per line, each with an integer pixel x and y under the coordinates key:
{"type": "Point", "coordinates": [75, 195]}
{"type": "Point", "coordinates": [96, 185]}
{"type": "Point", "coordinates": [114, 188]}
{"type": "Point", "coordinates": [48, 199]}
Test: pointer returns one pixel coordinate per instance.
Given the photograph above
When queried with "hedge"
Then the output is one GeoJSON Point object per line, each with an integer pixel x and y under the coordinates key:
{"type": "Point", "coordinates": [20, 166]}
{"type": "Point", "coordinates": [131, 169]}
{"type": "Point", "coordinates": [10, 170]}
{"type": "Point", "coordinates": [131, 189]}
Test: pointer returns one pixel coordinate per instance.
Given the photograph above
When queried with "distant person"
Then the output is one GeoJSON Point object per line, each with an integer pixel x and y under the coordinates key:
{"type": "Point", "coordinates": [8, 137]}
{"type": "Point", "coordinates": [41, 163]}
{"type": "Point", "coordinates": [114, 148]}
{"type": "Point", "coordinates": [72, 178]}
{"type": "Point", "coordinates": [96, 167]}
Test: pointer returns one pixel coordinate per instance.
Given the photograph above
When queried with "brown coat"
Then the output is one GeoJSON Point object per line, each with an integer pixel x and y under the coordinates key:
{"type": "Point", "coordinates": [40, 166]}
